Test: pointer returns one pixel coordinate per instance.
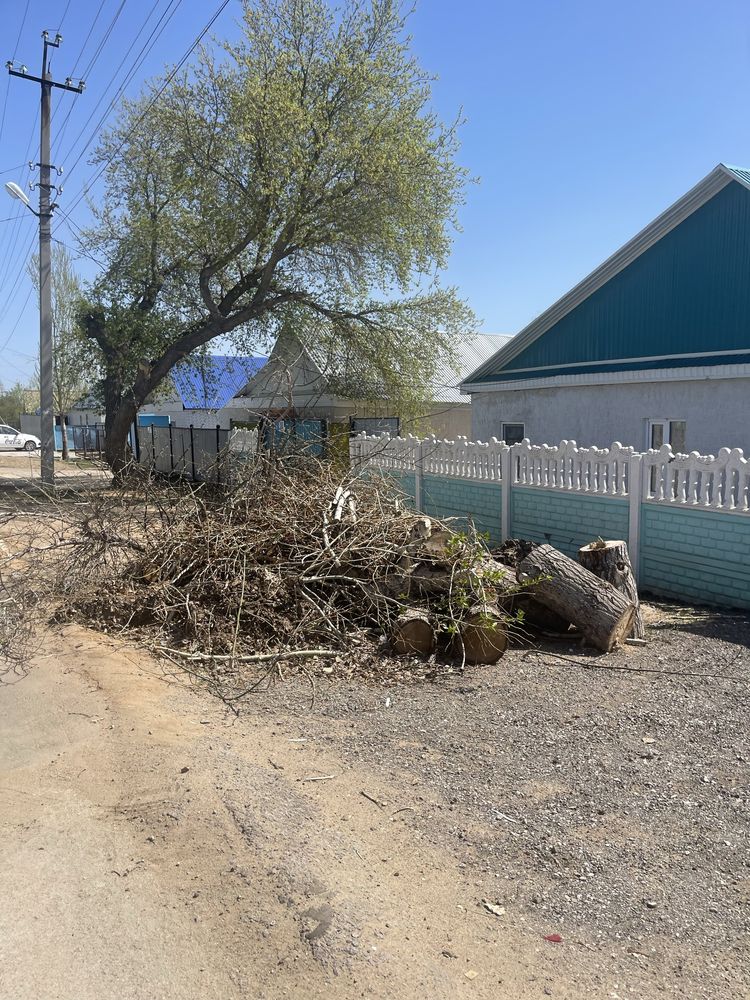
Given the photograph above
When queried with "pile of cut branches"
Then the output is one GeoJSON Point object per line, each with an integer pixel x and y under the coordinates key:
{"type": "Point", "coordinates": [294, 560]}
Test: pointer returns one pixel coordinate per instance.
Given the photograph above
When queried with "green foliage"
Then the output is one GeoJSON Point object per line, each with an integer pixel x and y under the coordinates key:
{"type": "Point", "coordinates": [71, 355]}
{"type": "Point", "coordinates": [13, 402]}
{"type": "Point", "coordinates": [296, 177]}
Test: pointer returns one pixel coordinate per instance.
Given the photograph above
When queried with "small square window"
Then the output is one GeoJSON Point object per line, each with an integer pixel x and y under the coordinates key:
{"type": "Point", "coordinates": [513, 433]}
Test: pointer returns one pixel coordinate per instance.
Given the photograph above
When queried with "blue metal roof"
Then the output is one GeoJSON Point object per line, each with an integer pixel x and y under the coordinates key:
{"type": "Point", "coordinates": [209, 383]}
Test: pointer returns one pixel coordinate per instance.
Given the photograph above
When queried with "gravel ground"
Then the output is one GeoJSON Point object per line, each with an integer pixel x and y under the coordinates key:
{"type": "Point", "coordinates": [602, 798]}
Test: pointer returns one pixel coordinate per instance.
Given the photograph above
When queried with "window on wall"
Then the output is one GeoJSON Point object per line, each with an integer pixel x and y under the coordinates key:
{"type": "Point", "coordinates": [671, 432]}
{"type": "Point", "coordinates": [661, 432]}
{"type": "Point", "coordinates": [513, 433]}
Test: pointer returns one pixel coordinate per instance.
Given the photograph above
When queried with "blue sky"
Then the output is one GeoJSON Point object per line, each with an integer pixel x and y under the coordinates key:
{"type": "Point", "coordinates": [584, 120]}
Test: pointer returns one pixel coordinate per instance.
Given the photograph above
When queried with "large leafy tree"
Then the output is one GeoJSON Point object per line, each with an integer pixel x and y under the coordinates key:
{"type": "Point", "coordinates": [300, 178]}
{"type": "Point", "coordinates": [71, 364]}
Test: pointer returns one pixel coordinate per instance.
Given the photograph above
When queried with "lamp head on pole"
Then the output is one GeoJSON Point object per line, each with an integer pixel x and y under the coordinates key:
{"type": "Point", "coordinates": [16, 192]}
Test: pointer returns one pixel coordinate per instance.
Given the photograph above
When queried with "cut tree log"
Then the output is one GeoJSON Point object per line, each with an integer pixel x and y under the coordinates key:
{"type": "Point", "coordinates": [610, 561]}
{"type": "Point", "coordinates": [484, 634]}
{"type": "Point", "coordinates": [437, 547]}
{"type": "Point", "coordinates": [536, 615]}
{"type": "Point", "coordinates": [413, 633]}
{"type": "Point", "coordinates": [601, 612]}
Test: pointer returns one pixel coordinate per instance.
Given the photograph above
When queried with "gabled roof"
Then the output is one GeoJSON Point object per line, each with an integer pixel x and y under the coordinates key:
{"type": "Point", "coordinates": [345, 376]}
{"type": "Point", "coordinates": [709, 187]}
{"type": "Point", "coordinates": [471, 352]}
{"type": "Point", "coordinates": [209, 383]}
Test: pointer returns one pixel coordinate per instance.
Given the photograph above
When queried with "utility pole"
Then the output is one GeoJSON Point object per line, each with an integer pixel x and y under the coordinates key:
{"type": "Point", "coordinates": [46, 208]}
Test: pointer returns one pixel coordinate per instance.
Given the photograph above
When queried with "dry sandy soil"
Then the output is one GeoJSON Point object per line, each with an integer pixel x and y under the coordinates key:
{"type": "Point", "coordinates": [156, 846]}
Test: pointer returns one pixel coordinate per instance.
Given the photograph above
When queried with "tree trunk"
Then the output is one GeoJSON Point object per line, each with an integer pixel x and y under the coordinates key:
{"type": "Point", "coordinates": [64, 432]}
{"type": "Point", "coordinates": [413, 633]}
{"type": "Point", "coordinates": [117, 427]}
{"type": "Point", "coordinates": [602, 613]}
{"type": "Point", "coordinates": [610, 561]}
{"type": "Point", "coordinates": [484, 635]}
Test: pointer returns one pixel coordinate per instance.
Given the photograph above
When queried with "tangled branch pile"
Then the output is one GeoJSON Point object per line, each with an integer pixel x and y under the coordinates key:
{"type": "Point", "coordinates": [294, 557]}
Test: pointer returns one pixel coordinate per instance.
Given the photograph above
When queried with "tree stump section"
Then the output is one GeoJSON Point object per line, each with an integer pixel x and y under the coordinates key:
{"type": "Point", "coordinates": [483, 634]}
{"type": "Point", "coordinates": [413, 634]}
{"type": "Point", "coordinates": [601, 612]}
{"type": "Point", "coordinates": [610, 561]}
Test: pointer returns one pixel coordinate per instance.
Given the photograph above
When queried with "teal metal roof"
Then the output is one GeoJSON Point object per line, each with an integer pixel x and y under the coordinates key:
{"type": "Point", "coordinates": [740, 173]}
{"type": "Point", "coordinates": [679, 289]}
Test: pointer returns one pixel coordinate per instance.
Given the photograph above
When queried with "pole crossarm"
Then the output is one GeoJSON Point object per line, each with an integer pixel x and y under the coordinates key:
{"type": "Point", "coordinates": [51, 83]}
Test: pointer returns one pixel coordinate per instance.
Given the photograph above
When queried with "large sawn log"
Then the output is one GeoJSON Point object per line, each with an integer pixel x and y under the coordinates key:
{"type": "Point", "coordinates": [602, 613]}
{"type": "Point", "coordinates": [484, 635]}
{"type": "Point", "coordinates": [413, 633]}
{"type": "Point", "coordinates": [610, 561]}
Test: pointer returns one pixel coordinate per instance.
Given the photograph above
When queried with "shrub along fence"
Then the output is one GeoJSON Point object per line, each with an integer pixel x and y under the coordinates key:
{"type": "Point", "coordinates": [686, 518]}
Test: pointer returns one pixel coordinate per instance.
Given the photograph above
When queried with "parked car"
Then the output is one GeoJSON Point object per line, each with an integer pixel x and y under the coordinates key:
{"type": "Point", "coordinates": [13, 440]}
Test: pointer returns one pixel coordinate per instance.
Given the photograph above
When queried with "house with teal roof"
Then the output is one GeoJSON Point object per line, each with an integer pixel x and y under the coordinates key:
{"type": "Point", "coordinates": [653, 347]}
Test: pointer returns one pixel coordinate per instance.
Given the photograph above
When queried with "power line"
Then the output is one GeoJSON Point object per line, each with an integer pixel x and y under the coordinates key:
{"type": "Point", "coordinates": [18, 279]}
{"type": "Point", "coordinates": [78, 59]}
{"type": "Point", "coordinates": [12, 170]}
{"type": "Point", "coordinates": [86, 39]}
{"type": "Point", "coordinates": [20, 30]}
{"type": "Point", "coordinates": [62, 19]}
{"type": "Point", "coordinates": [138, 62]}
{"type": "Point", "coordinates": [15, 325]}
{"type": "Point", "coordinates": [64, 126]}
{"type": "Point", "coordinates": [15, 50]}
{"type": "Point", "coordinates": [103, 41]}
{"type": "Point", "coordinates": [10, 247]}
{"type": "Point", "coordinates": [153, 101]}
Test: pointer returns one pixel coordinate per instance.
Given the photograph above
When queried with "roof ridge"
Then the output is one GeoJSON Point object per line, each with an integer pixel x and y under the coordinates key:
{"type": "Point", "coordinates": [677, 212]}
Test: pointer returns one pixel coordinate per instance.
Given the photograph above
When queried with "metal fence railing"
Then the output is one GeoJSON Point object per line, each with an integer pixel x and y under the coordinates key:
{"type": "Point", "coordinates": [196, 453]}
{"type": "Point", "coordinates": [87, 440]}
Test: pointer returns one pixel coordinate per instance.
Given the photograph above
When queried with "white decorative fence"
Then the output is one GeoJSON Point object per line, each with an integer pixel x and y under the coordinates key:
{"type": "Point", "coordinates": [716, 483]}
{"type": "Point", "coordinates": [720, 482]}
{"type": "Point", "coordinates": [685, 517]}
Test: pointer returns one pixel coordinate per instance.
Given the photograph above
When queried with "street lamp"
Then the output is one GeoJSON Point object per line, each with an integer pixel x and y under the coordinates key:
{"type": "Point", "coordinates": [45, 331]}
{"type": "Point", "coordinates": [16, 192]}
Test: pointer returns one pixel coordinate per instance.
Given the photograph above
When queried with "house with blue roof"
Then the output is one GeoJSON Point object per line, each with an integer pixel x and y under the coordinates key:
{"type": "Point", "coordinates": [653, 347]}
{"type": "Point", "coordinates": [199, 391]}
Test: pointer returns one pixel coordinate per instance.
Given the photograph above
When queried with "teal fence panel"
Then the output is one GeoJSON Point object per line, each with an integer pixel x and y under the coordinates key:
{"type": "Point", "coordinates": [695, 555]}
{"type": "Point", "coordinates": [464, 499]}
{"type": "Point", "coordinates": [566, 520]}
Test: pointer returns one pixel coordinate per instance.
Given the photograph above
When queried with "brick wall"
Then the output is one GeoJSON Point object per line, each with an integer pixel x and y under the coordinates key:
{"type": "Point", "coordinates": [446, 496]}
{"type": "Point", "coordinates": [566, 520]}
{"type": "Point", "coordinates": [695, 555]}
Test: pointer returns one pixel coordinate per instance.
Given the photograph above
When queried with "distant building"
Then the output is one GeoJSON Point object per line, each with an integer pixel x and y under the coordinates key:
{"type": "Point", "coordinates": [320, 383]}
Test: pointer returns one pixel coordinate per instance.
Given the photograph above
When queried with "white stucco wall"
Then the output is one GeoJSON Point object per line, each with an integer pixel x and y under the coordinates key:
{"type": "Point", "coordinates": [181, 417]}
{"type": "Point", "coordinates": [717, 412]}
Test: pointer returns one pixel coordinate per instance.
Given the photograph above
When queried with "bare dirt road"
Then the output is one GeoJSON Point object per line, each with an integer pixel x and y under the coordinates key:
{"type": "Point", "coordinates": [155, 846]}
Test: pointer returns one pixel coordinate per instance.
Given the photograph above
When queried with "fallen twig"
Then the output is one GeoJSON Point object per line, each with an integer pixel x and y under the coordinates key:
{"type": "Point", "coordinates": [377, 802]}
{"type": "Point", "coordinates": [289, 654]}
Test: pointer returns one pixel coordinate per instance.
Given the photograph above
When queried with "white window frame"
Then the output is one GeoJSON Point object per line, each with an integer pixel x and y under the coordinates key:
{"type": "Point", "coordinates": [665, 423]}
